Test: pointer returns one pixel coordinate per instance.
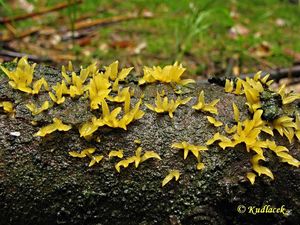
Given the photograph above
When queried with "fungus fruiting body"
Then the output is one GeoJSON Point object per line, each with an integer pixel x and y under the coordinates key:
{"type": "Point", "coordinates": [56, 125]}
{"type": "Point", "coordinates": [206, 107]}
{"type": "Point", "coordinates": [164, 105]}
{"type": "Point", "coordinates": [137, 159]}
{"type": "Point", "coordinates": [167, 74]}
{"type": "Point", "coordinates": [173, 174]}
{"type": "Point", "coordinates": [88, 152]}
{"type": "Point", "coordinates": [7, 106]}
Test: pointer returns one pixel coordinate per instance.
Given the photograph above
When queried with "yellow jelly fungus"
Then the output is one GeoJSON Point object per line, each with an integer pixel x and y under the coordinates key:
{"type": "Point", "coordinates": [206, 107]}
{"type": "Point", "coordinates": [7, 106]}
{"type": "Point", "coordinates": [88, 128]}
{"type": "Point", "coordinates": [260, 169]}
{"type": "Point", "coordinates": [120, 77]}
{"type": "Point", "coordinates": [228, 86]}
{"type": "Point", "coordinates": [173, 174]}
{"type": "Point", "coordinates": [137, 141]}
{"type": "Point", "coordinates": [35, 110]}
{"type": "Point", "coordinates": [236, 112]}
{"type": "Point", "coordinates": [282, 152]}
{"type": "Point", "coordinates": [251, 177]}
{"type": "Point", "coordinates": [217, 136]}
{"type": "Point", "coordinates": [137, 159]}
{"type": "Point", "coordinates": [131, 114]}
{"type": "Point", "coordinates": [110, 118]}
{"type": "Point", "coordinates": [164, 105]}
{"type": "Point", "coordinates": [37, 85]}
{"type": "Point", "coordinates": [21, 78]}
{"type": "Point", "coordinates": [195, 149]}
{"type": "Point", "coordinates": [121, 97]}
{"type": "Point", "coordinates": [287, 98]}
{"type": "Point", "coordinates": [283, 125]}
{"type": "Point", "coordinates": [230, 130]}
{"type": "Point", "coordinates": [116, 153]}
{"type": "Point", "coordinates": [238, 89]}
{"type": "Point", "coordinates": [87, 152]}
{"type": "Point", "coordinates": [77, 88]}
{"type": "Point", "coordinates": [200, 166]}
{"type": "Point", "coordinates": [213, 121]}
{"type": "Point", "coordinates": [98, 90]}
{"type": "Point", "coordinates": [148, 155]}
{"type": "Point", "coordinates": [297, 126]}
{"type": "Point", "coordinates": [60, 89]}
{"type": "Point", "coordinates": [56, 125]}
{"type": "Point", "coordinates": [167, 74]}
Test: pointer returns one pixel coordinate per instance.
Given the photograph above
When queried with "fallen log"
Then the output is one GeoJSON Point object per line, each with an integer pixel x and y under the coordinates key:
{"type": "Point", "coordinates": [40, 183]}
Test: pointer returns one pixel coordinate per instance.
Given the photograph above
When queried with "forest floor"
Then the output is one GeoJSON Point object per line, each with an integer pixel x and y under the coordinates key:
{"type": "Point", "coordinates": [208, 37]}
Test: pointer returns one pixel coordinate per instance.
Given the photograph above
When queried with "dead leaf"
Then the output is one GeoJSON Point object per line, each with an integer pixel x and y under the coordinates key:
{"type": "Point", "coordinates": [238, 30]}
{"type": "Point", "coordinates": [262, 50]}
{"type": "Point", "coordinates": [280, 22]}
{"type": "Point", "coordinates": [293, 54]}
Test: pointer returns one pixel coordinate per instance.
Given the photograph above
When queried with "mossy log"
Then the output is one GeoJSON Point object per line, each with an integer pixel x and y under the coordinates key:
{"type": "Point", "coordinates": [40, 183]}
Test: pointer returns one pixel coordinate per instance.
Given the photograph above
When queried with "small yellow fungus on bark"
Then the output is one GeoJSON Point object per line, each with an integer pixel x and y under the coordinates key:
{"type": "Point", "coordinates": [7, 106]}
{"type": "Point", "coordinates": [137, 158]}
{"type": "Point", "coordinates": [164, 105]}
{"type": "Point", "coordinates": [195, 149]}
{"type": "Point", "coordinates": [98, 90]}
{"type": "Point", "coordinates": [236, 112]}
{"type": "Point", "coordinates": [200, 166]}
{"type": "Point", "coordinates": [260, 169]}
{"type": "Point", "coordinates": [206, 107]}
{"type": "Point", "coordinates": [35, 110]}
{"type": "Point", "coordinates": [229, 130]}
{"type": "Point", "coordinates": [56, 125]}
{"type": "Point", "coordinates": [167, 74]}
{"type": "Point", "coordinates": [173, 174]}
{"type": "Point", "coordinates": [21, 77]}
{"type": "Point", "coordinates": [251, 177]}
{"type": "Point", "coordinates": [87, 153]}
{"type": "Point", "coordinates": [228, 86]}
{"type": "Point", "coordinates": [213, 121]}
{"type": "Point", "coordinates": [60, 89]}
{"type": "Point", "coordinates": [116, 153]}
{"type": "Point", "coordinates": [88, 128]}
{"type": "Point", "coordinates": [121, 97]}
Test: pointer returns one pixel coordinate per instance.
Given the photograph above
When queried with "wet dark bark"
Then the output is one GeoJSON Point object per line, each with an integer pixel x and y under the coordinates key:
{"type": "Point", "coordinates": [41, 184]}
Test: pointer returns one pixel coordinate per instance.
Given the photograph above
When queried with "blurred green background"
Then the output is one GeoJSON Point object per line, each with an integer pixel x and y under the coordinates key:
{"type": "Point", "coordinates": [208, 37]}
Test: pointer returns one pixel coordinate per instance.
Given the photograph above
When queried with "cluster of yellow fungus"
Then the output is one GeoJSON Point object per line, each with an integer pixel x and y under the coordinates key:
{"type": "Point", "coordinates": [21, 78]}
{"type": "Point", "coordinates": [164, 105]}
{"type": "Point", "coordinates": [248, 131]}
{"type": "Point", "coordinates": [167, 74]}
{"type": "Point", "coordinates": [137, 159]}
{"type": "Point", "coordinates": [195, 149]}
{"type": "Point", "coordinates": [206, 107]}
{"type": "Point", "coordinates": [110, 118]}
{"type": "Point", "coordinates": [88, 153]}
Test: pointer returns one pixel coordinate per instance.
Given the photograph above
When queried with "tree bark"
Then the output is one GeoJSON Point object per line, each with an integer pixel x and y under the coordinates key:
{"type": "Point", "coordinates": [40, 183]}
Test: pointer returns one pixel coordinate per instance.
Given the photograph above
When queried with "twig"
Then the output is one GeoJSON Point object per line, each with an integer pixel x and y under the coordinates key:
{"type": "Point", "coordinates": [279, 73]}
{"type": "Point", "coordinates": [115, 19]}
{"type": "Point", "coordinates": [20, 35]}
{"type": "Point", "coordinates": [13, 54]}
{"type": "Point", "coordinates": [41, 12]}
